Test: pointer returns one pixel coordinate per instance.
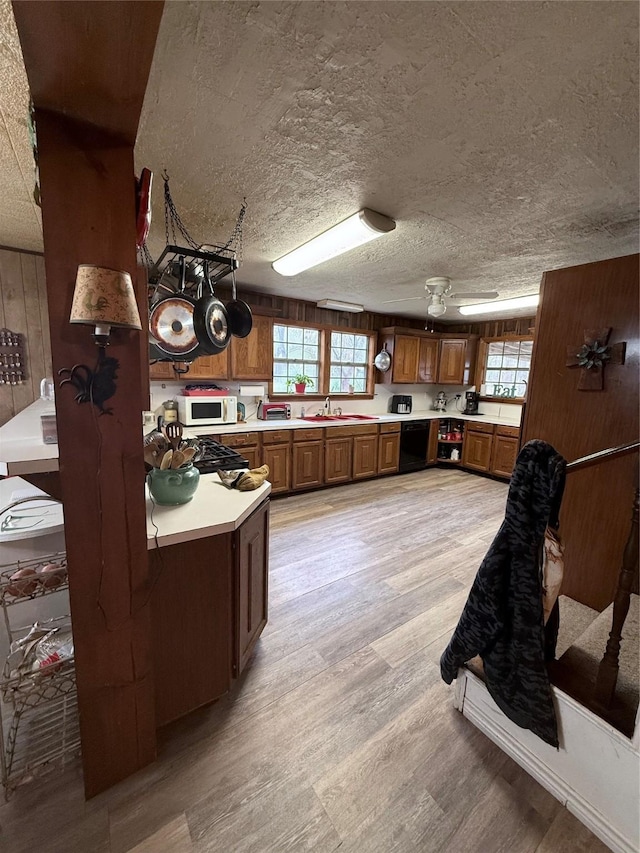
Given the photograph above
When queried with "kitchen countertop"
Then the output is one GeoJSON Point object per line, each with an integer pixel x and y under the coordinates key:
{"type": "Point", "coordinates": [214, 509]}
{"type": "Point", "coordinates": [22, 450]}
{"type": "Point", "coordinates": [298, 423]}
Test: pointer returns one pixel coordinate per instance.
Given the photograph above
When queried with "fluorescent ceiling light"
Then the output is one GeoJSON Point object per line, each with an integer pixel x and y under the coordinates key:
{"type": "Point", "coordinates": [363, 226]}
{"type": "Point", "coordinates": [501, 305]}
{"type": "Point", "coordinates": [337, 305]}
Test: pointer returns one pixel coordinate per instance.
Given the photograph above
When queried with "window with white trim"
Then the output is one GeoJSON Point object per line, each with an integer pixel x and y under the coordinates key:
{"type": "Point", "coordinates": [296, 352]}
{"type": "Point", "coordinates": [348, 365]}
{"type": "Point", "coordinates": [506, 368]}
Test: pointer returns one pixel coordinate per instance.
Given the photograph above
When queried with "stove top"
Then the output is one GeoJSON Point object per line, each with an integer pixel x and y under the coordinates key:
{"type": "Point", "coordinates": [214, 456]}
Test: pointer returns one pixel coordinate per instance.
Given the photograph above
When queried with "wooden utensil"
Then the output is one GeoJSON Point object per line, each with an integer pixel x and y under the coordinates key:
{"type": "Point", "coordinates": [173, 432]}
{"type": "Point", "coordinates": [188, 454]}
{"type": "Point", "coordinates": [166, 460]}
{"type": "Point", "coordinates": [177, 459]}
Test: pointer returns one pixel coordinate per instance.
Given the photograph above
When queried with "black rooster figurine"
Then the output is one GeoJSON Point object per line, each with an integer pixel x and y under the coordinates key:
{"type": "Point", "coordinates": [93, 386]}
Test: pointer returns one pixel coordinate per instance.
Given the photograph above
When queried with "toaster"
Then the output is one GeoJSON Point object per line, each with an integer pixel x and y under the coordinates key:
{"type": "Point", "coordinates": [274, 411]}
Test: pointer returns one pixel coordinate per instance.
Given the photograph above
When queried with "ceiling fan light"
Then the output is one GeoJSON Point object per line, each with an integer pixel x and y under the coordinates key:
{"type": "Point", "coordinates": [362, 227]}
{"type": "Point", "coordinates": [436, 309]}
{"type": "Point", "coordinates": [501, 305]}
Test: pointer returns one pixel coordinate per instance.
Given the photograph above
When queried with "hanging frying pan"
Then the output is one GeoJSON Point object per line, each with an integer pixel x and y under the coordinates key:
{"type": "Point", "coordinates": [171, 323]}
{"type": "Point", "coordinates": [240, 317]}
{"type": "Point", "coordinates": [383, 360]}
{"type": "Point", "coordinates": [211, 322]}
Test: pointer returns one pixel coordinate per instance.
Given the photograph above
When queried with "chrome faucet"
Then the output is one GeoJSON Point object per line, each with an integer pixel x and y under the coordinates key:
{"type": "Point", "coordinates": [327, 406]}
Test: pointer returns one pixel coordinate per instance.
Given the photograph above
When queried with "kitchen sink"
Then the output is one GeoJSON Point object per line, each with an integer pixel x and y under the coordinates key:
{"type": "Point", "coordinates": [339, 418]}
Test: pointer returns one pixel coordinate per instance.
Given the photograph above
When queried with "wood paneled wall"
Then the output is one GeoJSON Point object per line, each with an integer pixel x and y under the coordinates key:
{"type": "Point", "coordinates": [23, 309]}
{"type": "Point", "coordinates": [494, 328]}
{"type": "Point", "coordinates": [301, 311]}
{"type": "Point", "coordinates": [596, 509]}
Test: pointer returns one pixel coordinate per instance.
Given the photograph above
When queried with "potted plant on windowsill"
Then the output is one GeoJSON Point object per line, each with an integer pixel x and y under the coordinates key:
{"type": "Point", "coordinates": [300, 382]}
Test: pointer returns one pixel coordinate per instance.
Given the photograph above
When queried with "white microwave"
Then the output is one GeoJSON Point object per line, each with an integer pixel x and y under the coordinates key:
{"type": "Point", "coordinates": [207, 411]}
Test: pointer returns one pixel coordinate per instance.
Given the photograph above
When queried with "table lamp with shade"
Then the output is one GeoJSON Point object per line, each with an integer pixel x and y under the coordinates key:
{"type": "Point", "coordinates": [103, 298]}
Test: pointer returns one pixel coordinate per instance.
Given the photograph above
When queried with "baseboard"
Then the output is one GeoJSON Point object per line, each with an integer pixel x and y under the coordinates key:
{"type": "Point", "coordinates": [537, 758]}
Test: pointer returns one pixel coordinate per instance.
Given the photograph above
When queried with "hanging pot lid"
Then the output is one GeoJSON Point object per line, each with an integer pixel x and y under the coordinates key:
{"type": "Point", "coordinates": [383, 360]}
{"type": "Point", "coordinates": [171, 325]}
{"type": "Point", "coordinates": [171, 322]}
{"type": "Point", "coordinates": [211, 321]}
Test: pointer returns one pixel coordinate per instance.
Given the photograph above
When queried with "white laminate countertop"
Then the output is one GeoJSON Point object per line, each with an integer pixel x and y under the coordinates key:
{"type": "Point", "coordinates": [214, 509]}
{"type": "Point", "coordinates": [299, 423]}
{"type": "Point", "coordinates": [22, 450]}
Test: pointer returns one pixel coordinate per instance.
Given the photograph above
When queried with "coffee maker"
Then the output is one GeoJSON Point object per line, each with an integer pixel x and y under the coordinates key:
{"type": "Point", "coordinates": [472, 398]}
{"type": "Point", "coordinates": [401, 404]}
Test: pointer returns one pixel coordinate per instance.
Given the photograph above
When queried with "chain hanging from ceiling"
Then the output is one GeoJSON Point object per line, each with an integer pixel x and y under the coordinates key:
{"type": "Point", "coordinates": [173, 221]}
{"type": "Point", "coordinates": [173, 225]}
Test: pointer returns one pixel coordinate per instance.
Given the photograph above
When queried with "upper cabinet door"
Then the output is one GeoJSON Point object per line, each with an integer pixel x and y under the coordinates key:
{"type": "Point", "coordinates": [210, 367]}
{"type": "Point", "coordinates": [428, 368]}
{"type": "Point", "coordinates": [451, 369]}
{"type": "Point", "coordinates": [252, 357]}
{"type": "Point", "coordinates": [406, 352]}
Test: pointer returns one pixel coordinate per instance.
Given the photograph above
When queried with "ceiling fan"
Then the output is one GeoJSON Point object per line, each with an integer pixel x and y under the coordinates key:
{"type": "Point", "coordinates": [438, 290]}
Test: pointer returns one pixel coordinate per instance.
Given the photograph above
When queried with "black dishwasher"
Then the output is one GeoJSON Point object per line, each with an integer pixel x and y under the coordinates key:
{"type": "Point", "coordinates": [414, 439]}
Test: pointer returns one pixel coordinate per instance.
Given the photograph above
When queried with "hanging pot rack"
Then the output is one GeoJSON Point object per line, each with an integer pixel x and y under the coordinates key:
{"type": "Point", "coordinates": [219, 265]}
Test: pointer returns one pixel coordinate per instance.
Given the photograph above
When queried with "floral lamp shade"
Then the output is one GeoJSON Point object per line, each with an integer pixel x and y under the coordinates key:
{"type": "Point", "coordinates": [104, 297]}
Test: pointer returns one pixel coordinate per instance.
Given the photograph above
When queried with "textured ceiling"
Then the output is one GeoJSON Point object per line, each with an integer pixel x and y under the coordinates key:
{"type": "Point", "coordinates": [501, 136]}
{"type": "Point", "coordinates": [20, 223]}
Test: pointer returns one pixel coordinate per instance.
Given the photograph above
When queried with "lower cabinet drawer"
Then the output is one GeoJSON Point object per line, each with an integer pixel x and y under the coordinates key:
{"type": "Point", "coordinates": [509, 431]}
{"type": "Point", "coordinates": [478, 426]}
{"type": "Point", "coordinates": [276, 436]}
{"type": "Point", "coordinates": [240, 439]}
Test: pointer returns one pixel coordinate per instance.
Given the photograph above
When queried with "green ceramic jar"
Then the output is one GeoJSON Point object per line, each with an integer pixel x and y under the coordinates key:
{"type": "Point", "coordinates": [174, 486]}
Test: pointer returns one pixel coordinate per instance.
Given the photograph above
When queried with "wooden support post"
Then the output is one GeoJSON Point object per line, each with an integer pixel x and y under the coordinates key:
{"type": "Point", "coordinates": [627, 583]}
{"type": "Point", "coordinates": [88, 65]}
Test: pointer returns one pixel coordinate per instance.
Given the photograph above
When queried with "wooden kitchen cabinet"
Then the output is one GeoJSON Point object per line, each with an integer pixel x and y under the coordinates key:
{"type": "Point", "coordinates": [338, 453]}
{"type": "Point", "coordinates": [251, 585]}
{"type": "Point", "coordinates": [428, 361]}
{"type": "Point", "coordinates": [506, 444]}
{"type": "Point", "coordinates": [418, 356]}
{"type": "Point", "coordinates": [205, 367]}
{"type": "Point", "coordinates": [191, 622]}
{"type": "Point", "coordinates": [451, 362]}
{"type": "Point", "coordinates": [365, 456]}
{"type": "Point", "coordinates": [252, 357]}
{"type": "Point", "coordinates": [476, 453]}
{"type": "Point", "coordinates": [389, 448]}
{"type": "Point", "coordinates": [162, 371]}
{"type": "Point", "coordinates": [278, 458]}
{"type": "Point", "coordinates": [209, 367]}
{"type": "Point", "coordinates": [307, 469]}
{"type": "Point", "coordinates": [405, 359]}
{"type": "Point", "coordinates": [247, 444]}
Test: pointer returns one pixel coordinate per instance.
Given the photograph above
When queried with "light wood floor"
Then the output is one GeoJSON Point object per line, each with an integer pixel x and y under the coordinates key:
{"type": "Point", "coordinates": [341, 734]}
